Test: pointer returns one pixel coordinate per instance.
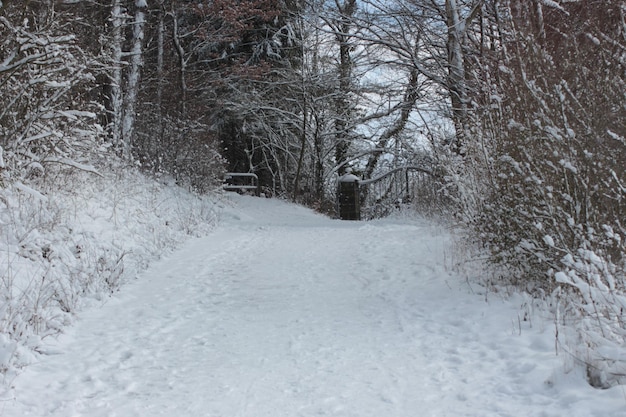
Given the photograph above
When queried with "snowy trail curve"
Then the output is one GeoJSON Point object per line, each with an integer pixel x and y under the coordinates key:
{"type": "Point", "coordinates": [282, 312]}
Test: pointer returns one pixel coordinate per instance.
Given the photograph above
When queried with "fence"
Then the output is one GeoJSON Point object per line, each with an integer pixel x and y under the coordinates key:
{"type": "Point", "coordinates": [391, 191]}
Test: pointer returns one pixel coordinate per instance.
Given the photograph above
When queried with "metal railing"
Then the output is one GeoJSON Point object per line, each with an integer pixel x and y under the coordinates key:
{"type": "Point", "coordinates": [242, 182]}
{"type": "Point", "coordinates": [391, 191]}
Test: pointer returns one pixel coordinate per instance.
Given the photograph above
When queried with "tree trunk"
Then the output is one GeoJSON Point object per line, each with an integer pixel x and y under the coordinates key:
{"type": "Point", "coordinates": [456, 74]}
{"type": "Point", "coordinates": [457, 85]}
{"type": "Point", "coordinates": [134, 75]}
{"type": "Point", "coordinates": [410, 97]}
{"type": "Point", "coordinates": [115, 103]}
{"type": "Point", "coordinates": [342, 103]}
{"type": "Point", "coordinates": [160, 83]}
{"type": "Point", "coordinates": [183, 64]}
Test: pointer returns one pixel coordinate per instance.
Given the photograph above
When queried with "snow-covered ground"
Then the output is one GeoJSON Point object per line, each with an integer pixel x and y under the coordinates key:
{"type": "Point", "coordinates": [283, 312]}
{"type": "Point", "coordinates": [70, 238]}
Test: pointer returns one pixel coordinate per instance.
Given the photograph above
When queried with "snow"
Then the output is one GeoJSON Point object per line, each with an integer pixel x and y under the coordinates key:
{"type": "Point", "coordinates": [26, 189]}
{"type": "Point", "coordinates": [554, 4]}
{"type": "Point", "coordinates": [548, 240]}
{"type": "Point", "coordinates": [283, 312]}
{"type": "Point", "coordinates": [568, 165]}
{"type": "Point", "coordinates": [616, 136]}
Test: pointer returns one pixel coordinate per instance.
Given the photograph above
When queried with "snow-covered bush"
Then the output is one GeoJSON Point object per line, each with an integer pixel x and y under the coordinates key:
{"type": "Point", "coordinates": [551, 114]}
{"type": "Point", "coordinates": [183, 149]}
{"type": "Point", "coordinates": [44, 117]}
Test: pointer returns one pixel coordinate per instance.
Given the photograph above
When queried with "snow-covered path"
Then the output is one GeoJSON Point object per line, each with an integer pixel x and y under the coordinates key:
{"type": "Point", "coordinates": [284, 313]}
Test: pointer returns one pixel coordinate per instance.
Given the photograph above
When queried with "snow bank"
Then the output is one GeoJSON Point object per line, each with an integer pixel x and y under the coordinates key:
{"type": "Point", "coordinates": [77, 242]}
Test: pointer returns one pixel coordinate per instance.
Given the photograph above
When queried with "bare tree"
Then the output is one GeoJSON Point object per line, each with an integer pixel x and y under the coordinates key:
{"type": "Point", "coordinates": [114, 101]}
{"type": "Point", "coordinates": [341, 23]}
{"type": "Point", "coordinates": [134, 76]}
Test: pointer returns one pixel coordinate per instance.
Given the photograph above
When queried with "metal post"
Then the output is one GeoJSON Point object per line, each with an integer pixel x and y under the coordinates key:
{"type": "Point", "coordinates": [349, 197]}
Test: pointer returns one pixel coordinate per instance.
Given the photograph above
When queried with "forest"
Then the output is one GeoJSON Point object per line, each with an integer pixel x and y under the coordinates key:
{"type": "Point", "coordinates": [516, 108]}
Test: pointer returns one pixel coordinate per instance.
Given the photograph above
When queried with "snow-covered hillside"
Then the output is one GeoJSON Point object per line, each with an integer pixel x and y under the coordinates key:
{"type": "Point", "coordinates": [75, 239]}
{"type": "Point", "coordinates": [283, 312]}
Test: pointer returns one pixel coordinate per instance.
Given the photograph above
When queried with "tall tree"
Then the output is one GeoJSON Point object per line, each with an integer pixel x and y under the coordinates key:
{"type": "Point", "coordinates": [341, 23]}
{"type": "Point", "coordinates": [114, 96]}
{"type": "Point", "coordinates": [457, 25]}
{"type": "Point", "coordinates": [133, 77]}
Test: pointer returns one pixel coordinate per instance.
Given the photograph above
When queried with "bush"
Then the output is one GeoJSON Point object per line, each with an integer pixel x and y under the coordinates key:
{"type": "Point", "coordinates": [552, 119]}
